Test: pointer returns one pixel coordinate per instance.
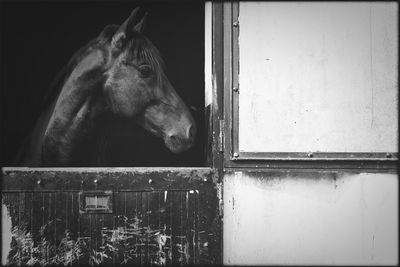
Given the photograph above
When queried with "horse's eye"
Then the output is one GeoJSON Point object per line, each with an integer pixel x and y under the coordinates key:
{"type": "Point", "coordinates": [145, 70]}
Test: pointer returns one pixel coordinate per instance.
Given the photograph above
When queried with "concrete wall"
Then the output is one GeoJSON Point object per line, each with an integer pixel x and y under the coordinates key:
{"type": "Point", "coordinates": [310, 218]}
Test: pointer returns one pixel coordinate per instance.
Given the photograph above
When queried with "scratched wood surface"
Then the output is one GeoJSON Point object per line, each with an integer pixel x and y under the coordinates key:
{"type": "Point", "coordinates": [154, 225]}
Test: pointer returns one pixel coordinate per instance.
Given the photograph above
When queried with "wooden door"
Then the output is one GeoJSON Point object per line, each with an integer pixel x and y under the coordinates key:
{"type": "Point", "coordinates": [112, 215]}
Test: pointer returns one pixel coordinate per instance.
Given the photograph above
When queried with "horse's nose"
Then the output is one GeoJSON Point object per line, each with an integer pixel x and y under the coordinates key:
{"type": "Point", "coordinates": [181, 141]}
{"type": "Point", "coordinates": [189, 135]}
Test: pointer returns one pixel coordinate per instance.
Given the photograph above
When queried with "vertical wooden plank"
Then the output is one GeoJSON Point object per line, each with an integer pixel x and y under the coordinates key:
{"type": "Point", "coordinates": [28, 211]}
{"type": "Point", "coordinates": [29, 218]}
{"type": "Point", "coordinates": [21, 211]}
{"type": "Point", "coordinates": [208, 227]}
{"type": "Point", "coordinates": [173, 211]}
{"type": "Point", "coordinates": [22, 223]}
{"type": "Point", "coordinates": [191, 225]}
{"type": "Point", "coordinates": [144, 225]}
{"type": "Point", "coordinates": [74, 218]}
{"type": "Point", "coordinates": [160, 250]}
{"type": "Point", "coordinates": [41, 207]}
{"type": "Point", "coordinates": [145, 214]}
{"type": "Point", "coordinates": [99, 224]}
{"type": "Point", "coordinates": [120, 223]}
{"type": "Point", "coordinates": [59, 219]}
{"type": "Point", "coordinates": [102, 241]}
{"type": "Point", "coordinates": [71, 223]}
{"type": "Point", "coordinates": [139, 213]}
{"type": "Point", "coordinates": [36, 215]}
{"type": "Point", "coordinates": [61, 204]}
{"type": "Point", "coordinates": [106, 225]}
{"type": "Point", "coordinates": [114, 222]}
{"type": "Point", "coordinates": [79, 220]}
{"type": "Point", "coordinates": [178, 234]}
{"type": "Point", "coordinates": [93, 236]}
{"type": "Point", "coordinates": [155, 231]}
{"type": "Point", "coordinates": [167, 203]}
{"type": "Point", "coordinates": [151, 211]}
{"type": "Point", "coordinates": [84, 234]}
{"type": "Point", "coordinates": [55, 222]}
{"type": "Point", "coordinates": [44, 227]}
{"type": "Point", "coordinates": [197, 228]}
{"type": "Point", "coordinates": [139, 223]}
{"type": "Point", "coordinates": [185, 226]}
{"type": "Point", "coordinates": [130, 200]}
{"type": "Point", "coordinates": [170, 229]}
{"type": "Point", "coordinates": [89, 233]}
{"type": "Point", "coordinates": [67, 199]}
{"type": "Point", "coordinates": [52, 225]}
{"type": "Point", "coordinates": [163, 223]}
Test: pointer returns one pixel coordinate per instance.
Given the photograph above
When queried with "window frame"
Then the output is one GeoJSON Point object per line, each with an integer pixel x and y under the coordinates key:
{"type": "Point", "coordinates": [308, 159]}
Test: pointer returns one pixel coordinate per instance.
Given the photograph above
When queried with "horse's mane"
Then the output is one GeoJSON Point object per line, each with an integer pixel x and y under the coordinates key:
{"type": "Point", "coordinates": [55, 87]}
{"type": "Point", "coordinates": [59, 80]}
{"type": "Point", "coordinates": [143, 48]}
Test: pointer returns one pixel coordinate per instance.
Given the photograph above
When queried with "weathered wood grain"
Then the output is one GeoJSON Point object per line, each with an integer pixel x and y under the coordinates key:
{"type": "Point", "coordinates": [159, 216]}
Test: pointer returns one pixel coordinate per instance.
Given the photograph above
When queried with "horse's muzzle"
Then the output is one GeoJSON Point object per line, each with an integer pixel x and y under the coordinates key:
{"type": "Point", "coordinates": [180, 142]}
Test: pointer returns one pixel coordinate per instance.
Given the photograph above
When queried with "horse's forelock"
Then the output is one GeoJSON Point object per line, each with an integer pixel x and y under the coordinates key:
{"type": "Point", "coordinates": [144, 50]}
{"type": "Point", "coordinates": [140, 46]}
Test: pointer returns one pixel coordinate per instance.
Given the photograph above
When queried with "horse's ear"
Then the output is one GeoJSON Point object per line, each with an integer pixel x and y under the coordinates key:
{"type": "Point", "coordinates": [141, 24]}
{"type": "Point", "coordinates": [120, 35]}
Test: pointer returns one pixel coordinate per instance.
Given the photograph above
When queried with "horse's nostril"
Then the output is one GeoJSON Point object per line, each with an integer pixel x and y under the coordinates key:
{"type": "Point", "coordinates": [172, 137]}
{"type": "Point", "coordinates": [191, 132]}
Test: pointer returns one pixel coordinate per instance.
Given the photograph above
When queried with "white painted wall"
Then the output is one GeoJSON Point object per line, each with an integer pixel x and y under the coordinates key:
{"type": "Point", "coordinates": [318, 76]}
{"type": "Point", "coordinates": [6, 235]}
{"type": "Point", "coordinates": [352, 220]}
{"type": "Point", "coordinates": [208, 53]}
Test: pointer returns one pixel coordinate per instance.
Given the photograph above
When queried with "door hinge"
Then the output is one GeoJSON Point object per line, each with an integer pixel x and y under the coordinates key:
{"type": "Point", "coordinates": [221, 136]}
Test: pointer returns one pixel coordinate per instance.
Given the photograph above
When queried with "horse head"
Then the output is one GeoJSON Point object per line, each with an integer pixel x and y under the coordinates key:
{"type": "Point", "coordinates": [137, 88]}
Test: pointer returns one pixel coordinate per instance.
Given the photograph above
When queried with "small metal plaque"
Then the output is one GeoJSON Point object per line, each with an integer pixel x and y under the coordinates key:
{"type": "Point", "coordinates": [96, 202]}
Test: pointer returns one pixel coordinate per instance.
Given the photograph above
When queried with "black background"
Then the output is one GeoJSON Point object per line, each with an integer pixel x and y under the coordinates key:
{"type": "Point", "coordinates": [38, 39]}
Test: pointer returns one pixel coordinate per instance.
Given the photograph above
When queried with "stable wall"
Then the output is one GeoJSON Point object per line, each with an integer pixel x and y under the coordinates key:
{"type": "Point", "coordinates": [304, 218]}
{"type": "Point", "coordinates": [313, 77]}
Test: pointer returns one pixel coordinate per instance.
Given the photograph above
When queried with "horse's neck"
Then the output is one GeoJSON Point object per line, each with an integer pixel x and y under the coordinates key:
{"type": "Point", "coordinates": [74, 111]}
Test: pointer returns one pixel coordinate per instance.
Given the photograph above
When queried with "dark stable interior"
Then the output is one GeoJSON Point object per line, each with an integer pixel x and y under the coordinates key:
{"type": "Point", "coordinates": [38, 39]}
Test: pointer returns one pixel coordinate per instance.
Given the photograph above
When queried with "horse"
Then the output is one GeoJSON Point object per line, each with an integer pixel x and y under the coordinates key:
{"type": "Point", "coordinates": [119, 74]}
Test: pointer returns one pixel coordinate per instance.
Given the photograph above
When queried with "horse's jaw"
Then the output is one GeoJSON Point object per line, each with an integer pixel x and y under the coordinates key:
{"type": "Point", "coordinates": [177, 140]}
